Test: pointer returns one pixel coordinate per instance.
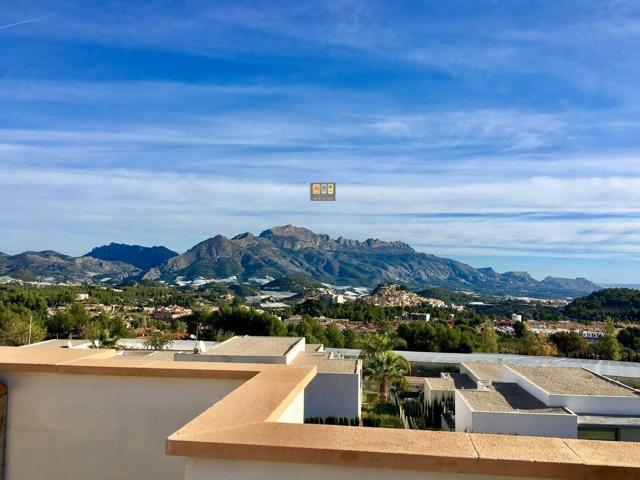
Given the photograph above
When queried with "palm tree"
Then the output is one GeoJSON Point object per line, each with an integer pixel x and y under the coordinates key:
{"type": "Point", "coordinates": [381, 364]}
{"type": "Point", "coordinates": [386, 368]}
{"type": "Point", "coordinates": [375, 343]}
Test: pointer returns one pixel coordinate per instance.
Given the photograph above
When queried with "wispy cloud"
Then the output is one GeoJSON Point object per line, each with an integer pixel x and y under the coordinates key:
{"type": "Point", "coordinates": [480, 129]}
{"type": "Point", "coordinates": [15, 24]}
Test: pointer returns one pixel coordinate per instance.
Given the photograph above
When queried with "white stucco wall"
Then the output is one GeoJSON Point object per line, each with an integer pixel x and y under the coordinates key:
{"type": "Point", "coordinates": [536, 424]}
{"type": "Point", "coordinates": [210, 469]}
{"type": "Point", "coordinates": [295, 350]}
{"type": "Point", "coordinates": [583, 404]}
{"type": "Point", "coordinates": [294, 412]}
{"type": "Point", "coordinates": [431, 395]}
{"type": "Point", "coordinates": [333, 394]}
{"type": "Point", "coordinates": [100, 427]}
{"type": "Point", "coordinates": [469, 373]}
{"type": "Point", "coordinates": [188, 357]}
{"type": "Point", "coordinates": [464, 416]}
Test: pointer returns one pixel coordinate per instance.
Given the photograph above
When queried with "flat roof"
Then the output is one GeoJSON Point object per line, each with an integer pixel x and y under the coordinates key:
{"type": "Point", "coordinates": [507, 397]}
{"type": "Point", "coordinates": [255, 346]}
{"type": "Point", "coordinates": [608, 421]}
{"type": "Point", "coordinates": [325, 364]}
{"type": "Point", "coordinates": [450, 382]}
{"type": "Point", "coordinates": [573, 381]}
{"type": "Point", "coordinates": [485, 371]}
{"type": "Point", "coordinates": [59, 343]}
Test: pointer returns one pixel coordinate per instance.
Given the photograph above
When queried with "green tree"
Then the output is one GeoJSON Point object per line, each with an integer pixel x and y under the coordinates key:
{"type": "Point", "coordinates": [629, 337]}
{"type": "Point", "coordinates": [159, 341]}
{"type": "Point", "coordinates": [569, 342]}
{"type": "Point", "coordinates": [350, 338]}
{"type": "Point", "coordinates": [335, 337]}
{"type": "Point", "coordinates": [386, 368]}
{"type": "Point", "coordinates": [542, 347]}
{"type": "Point", "coordinates": [93, 331]}
{"type": "Point", "coordinates": [18, 330]}
{"type": "Point", "coordinates": [520, 329]}
{"type": "Point", "coordinates": [488, 339]}
{"type": "Point", "coordinates": [381, 364]}
{"type": "Point", "coordinates": [180, 326]}
{"type": "Point", "coordinates": [608, 347]}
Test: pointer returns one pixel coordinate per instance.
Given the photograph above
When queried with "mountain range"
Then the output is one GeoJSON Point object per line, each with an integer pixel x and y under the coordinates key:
{"type": "Point", "coordinates": [143, 258]}
{"type": "Point", "coordinates": [283, 251]}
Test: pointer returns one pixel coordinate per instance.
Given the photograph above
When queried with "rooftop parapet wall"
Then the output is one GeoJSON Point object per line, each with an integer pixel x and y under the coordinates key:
{"type": "Point", "coordinates": [244, 427]}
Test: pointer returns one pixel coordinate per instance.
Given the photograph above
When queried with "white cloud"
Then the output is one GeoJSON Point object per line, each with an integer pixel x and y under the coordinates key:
{"type": "Point", "coordinates": [78, 209]}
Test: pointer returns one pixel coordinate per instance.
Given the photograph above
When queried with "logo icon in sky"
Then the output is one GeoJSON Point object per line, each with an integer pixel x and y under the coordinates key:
{"type": "Point", "coordinates": [322, 192]}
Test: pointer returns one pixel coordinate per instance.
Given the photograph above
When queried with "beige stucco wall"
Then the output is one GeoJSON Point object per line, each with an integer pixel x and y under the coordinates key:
{"type": "Point", "coordinates": [208, 469]}
{"type": "Point", "coordinates": [100, 427]}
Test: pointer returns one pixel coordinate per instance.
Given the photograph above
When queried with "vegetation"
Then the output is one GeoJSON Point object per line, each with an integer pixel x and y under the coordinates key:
{"type": "Point", "coordinates": [381, 364]}
{"type": "Point", "coordinates": [568, 343]}
{"type": "Point", "coordinates": [158, 341]}
{"type": "Point", "coordinates": [296, 282]}
{"type": "Point", "coordinates": [608, 347]}
{"type": "Point", "coordinates": [31, 314]}
{"type": "Point", "coordinates": [617, 303]}
{"type": "Point", "coordinates": [488, 342]}
{"type": "Point", "coordinates": [438, 337]}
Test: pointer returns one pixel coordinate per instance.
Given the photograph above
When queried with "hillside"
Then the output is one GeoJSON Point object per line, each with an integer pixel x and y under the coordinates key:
{"type": "Point", "coordinates": [283, 251]}
{"type": "Point", "coordinates": [53, 267]}
{"type": "Point", "coordinates": [619, 303]}
{"type": "Point", "coordinates": [143, 258]}
{"type": "Point", "coordinates": [293, 283]}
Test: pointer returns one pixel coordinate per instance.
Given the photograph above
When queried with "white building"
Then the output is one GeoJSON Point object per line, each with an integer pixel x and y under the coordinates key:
{"type": "Point", "coordinates": [336, 389]}
{"type": "Point", "coordinates": [592, 335]}
{"type": "Point", "coordinates": [547, 401]}
{"type": "Point", "coordinates": [516, 318]}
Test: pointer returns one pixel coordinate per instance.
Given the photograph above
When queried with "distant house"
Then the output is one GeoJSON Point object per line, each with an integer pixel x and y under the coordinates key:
{"type": "Point", "coordinates": [592, 335]}
{"type": "Point", "coordinates": [174, 312]}
{"type": "Point", "coordinates": [80, 297]}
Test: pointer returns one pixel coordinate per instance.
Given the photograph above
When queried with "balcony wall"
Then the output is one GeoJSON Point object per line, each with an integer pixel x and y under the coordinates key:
{"type": "Point", "coordinates": [204, 469]}
{"type": "Point", "coordinates": [77, 415]}
{"type": "Point", "coordinates": [100, 427]}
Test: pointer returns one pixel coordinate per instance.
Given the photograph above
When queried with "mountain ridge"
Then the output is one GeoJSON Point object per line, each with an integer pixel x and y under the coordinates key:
{"type": "Point", "coordinates": [289, 250]}
{"type": "Point", "coordinates": [143, 258]}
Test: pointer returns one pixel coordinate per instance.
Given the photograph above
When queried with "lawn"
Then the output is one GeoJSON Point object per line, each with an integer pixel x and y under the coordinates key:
{"type": "Point", "coordinates": [373, 408]}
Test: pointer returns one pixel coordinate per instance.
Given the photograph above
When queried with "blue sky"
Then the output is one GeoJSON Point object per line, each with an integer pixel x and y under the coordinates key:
{"type": "Point", "coordinates": [501, 133]}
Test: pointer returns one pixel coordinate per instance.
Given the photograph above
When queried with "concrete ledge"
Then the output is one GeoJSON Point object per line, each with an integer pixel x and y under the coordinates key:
{"type": "Point", "coordinates": [244, 426]}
